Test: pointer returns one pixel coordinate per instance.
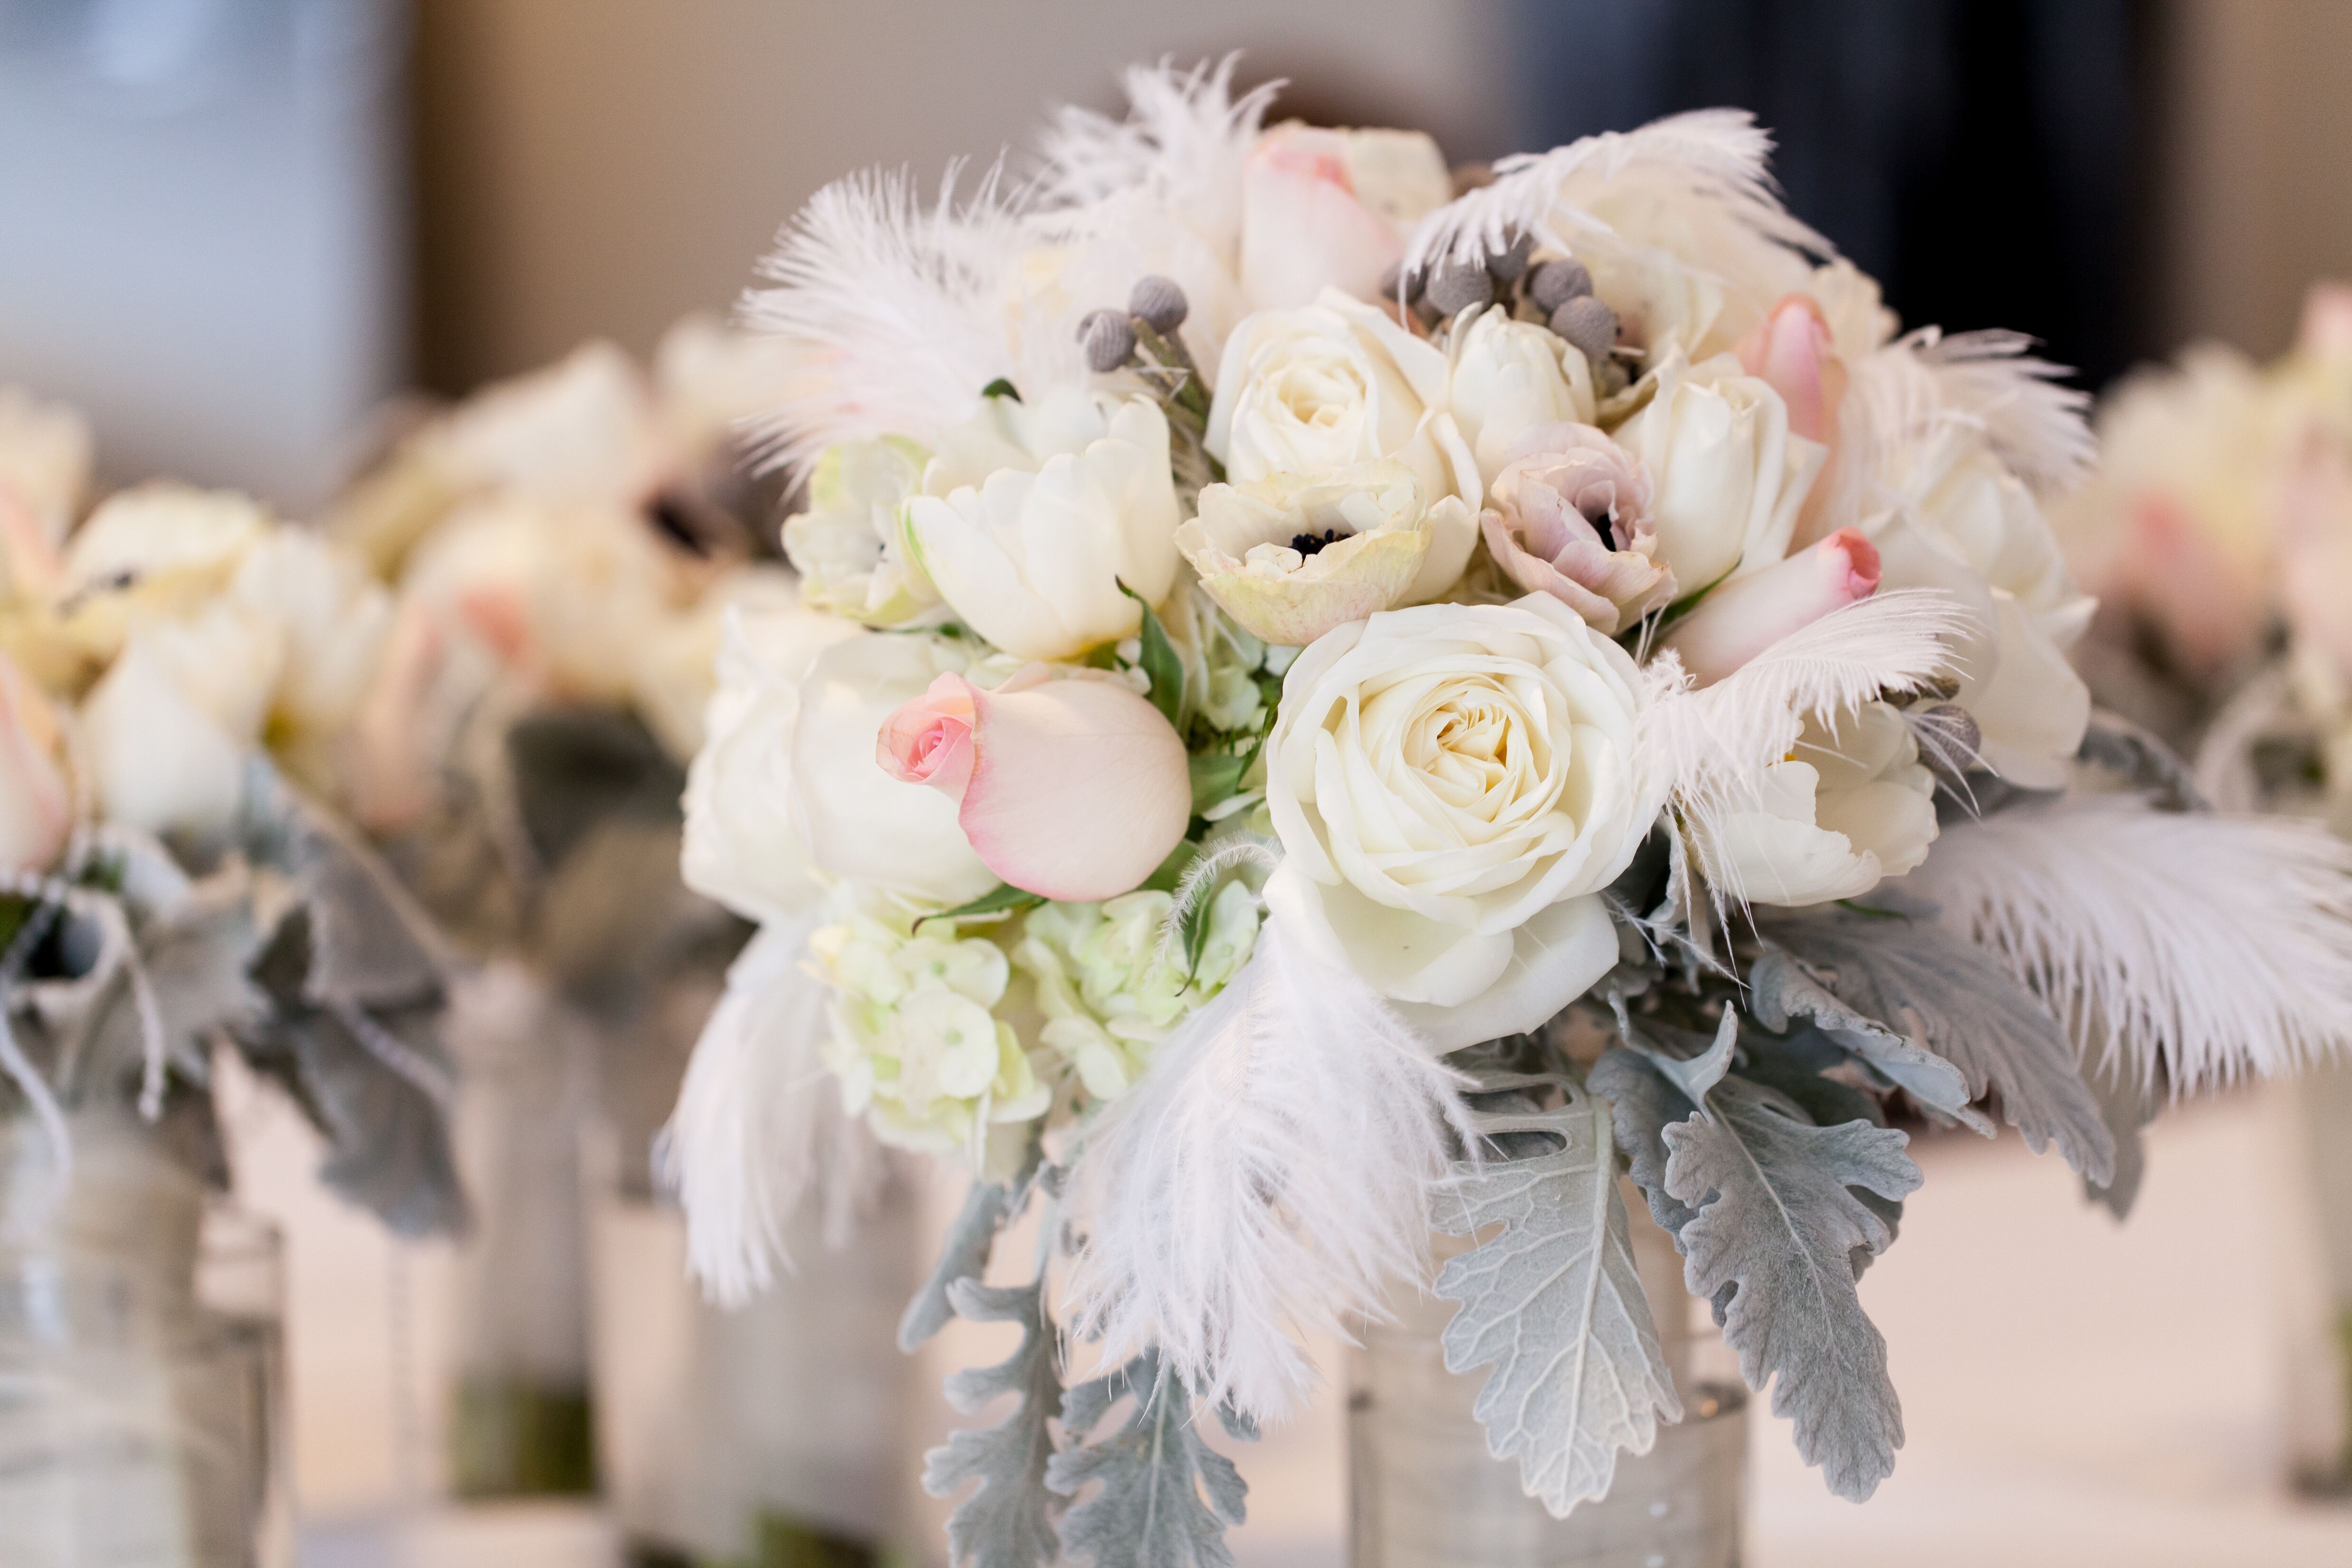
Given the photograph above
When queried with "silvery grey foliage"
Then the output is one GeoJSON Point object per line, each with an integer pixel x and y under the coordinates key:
{"type": "Point", "coordinates": [1007, 1522]}
{"type": "Point", "coordinates": [1771, 1245]}
{"type": "Point", "coordinates": [2129, 1104]}
{"type": "Point", "coordinates": [2147, 763]}
{"type": "Point", "coordinates": [1895, 963]}
{"type": "Point", "coordinates": [1165, 1496]}
{"type": "Point", "coordinates": [1795, 1065]}
{"type": "Point", "coordinates": [1780, 989]}
{"type": "Point", "coordinates": [986, 1206]}
{"type": "Point", "coordinates": [1553, 1301]}
{"type": "Point", "coordinates": [1646, 1091]}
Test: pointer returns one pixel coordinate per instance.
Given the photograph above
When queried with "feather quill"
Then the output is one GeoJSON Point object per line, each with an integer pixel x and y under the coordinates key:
{"type": "Point", "coordinates": [1264, 1179]}
{"type": "Point", "coordinates": [2209, 948]}
{"type": "Point", "coordinates": [1709, 159]}
{"type": "Point", "coordinates": [758, 1128]}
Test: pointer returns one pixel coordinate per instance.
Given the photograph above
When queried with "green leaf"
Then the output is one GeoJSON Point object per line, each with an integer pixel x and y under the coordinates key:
{"type": "Point", "coordinates": [1554, 1302]}
{"type": "Point", "coordinates": [1167, 1496]}
{"type": "Point", "coordinates": [1771, 1245]}
{"type": "Point", "coordinates": [1216, 775]}
{"type": "Point", "coordinates": [1007, 1522]}
{"type": "Point", "coordinates": [1000, 387]}
{"type": "Point", "coordinates": [1160, 665]}
{"type": "Point", "coordinates": [1007, 899]}
{"type": "Point", "coordinates": [1949, 996]}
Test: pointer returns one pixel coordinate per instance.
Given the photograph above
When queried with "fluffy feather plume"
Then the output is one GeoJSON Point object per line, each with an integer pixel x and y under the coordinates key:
{"type": "Point", "coordinates": [2041, 429]}
{"type": "Point", "coordinates": [1705, 750]}
{"type": "Point", "coordinates": [889, 314]}
{"type": "Point", "coordinates": [2208, 947]}
{"type": "Point", "coordinates": [1264, 1179]}
{"type": "Point", "coordinates": [1710, 158]}
{"type": "Point", "coordinates": [1181, 148]}
{"type": "Point", "coordinates": [759, 1127]}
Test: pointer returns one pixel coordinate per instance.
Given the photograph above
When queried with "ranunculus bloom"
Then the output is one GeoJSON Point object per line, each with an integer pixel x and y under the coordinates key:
{"type": "Point", "coordinates": [862, 822]}
{"type": "Point", "coordinates": [1290, 558]}
{"type": "Point", "coordinates": [1750, 614]}
{"type": "Point", "coordinates": [1076, 788]}
{"type": "Point", "coordinates": [1570, 516]}
{"type": "Point", "coordinates": [1849, 808]}
{"type": "Point", "coordinates": [1034, 519]}
{"type": "Point", "coordinates": [35, 808]}
{"type": "Point", "coordinates": [1730, 475]}
{"type": "Point", "coordinates": [1319, 389]}
{"type": "Point", "coordinates": [847, 547]}
{"type": "Point", "coordinates": [1452, 785]}
{"type": "Point", "coordinates": [1326, 208]}
{"type": "Point", "coordinates": [1507, 378]}
{"type": "Point", "coordinates": [743, 846]}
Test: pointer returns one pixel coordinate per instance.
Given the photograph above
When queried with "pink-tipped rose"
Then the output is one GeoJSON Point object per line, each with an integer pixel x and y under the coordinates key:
{"type": "Point", "coordinates": [1073, 788]}
{"type": "Point", "coordinates": [1748, 614]}
{"type": "Point", "coordinates": [1571, 518]}
{"type": "Point", "coordinates": [1792, 353]}
{"type": "Point", "coordinates": [1331, 209]}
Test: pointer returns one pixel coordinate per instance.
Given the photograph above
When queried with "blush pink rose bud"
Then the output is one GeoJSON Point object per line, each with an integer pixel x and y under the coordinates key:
{"type": "Point", "coordinates": [1792, 353]}
{"type": "Point", "coordinates": [1748, 614]}
{"type": "Point", "coordinates": [1073, 788]}
{"type": "Point", "coordinates": [1571, 518]}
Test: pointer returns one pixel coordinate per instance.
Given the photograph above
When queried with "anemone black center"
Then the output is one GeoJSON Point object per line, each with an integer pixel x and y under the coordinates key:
{"type": "Point", "coordinates": [1309, 543]}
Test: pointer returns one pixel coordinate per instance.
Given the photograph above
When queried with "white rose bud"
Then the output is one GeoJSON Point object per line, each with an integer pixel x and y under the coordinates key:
{"type": "Point", "coordinates": [1507, 378]}
{"type": "Point", "coordinates": [1729, 476]}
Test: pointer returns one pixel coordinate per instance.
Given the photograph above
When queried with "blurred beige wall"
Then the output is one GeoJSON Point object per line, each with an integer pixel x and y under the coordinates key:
{"type": "Point", "coordinates": [590, 167]}
{"type": "Point", "coordinates": [2258, 145]}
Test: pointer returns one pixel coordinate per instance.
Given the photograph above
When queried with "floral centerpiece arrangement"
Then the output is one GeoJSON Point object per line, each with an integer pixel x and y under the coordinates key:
{"type": "Point", "coordinates": [176, 670]}
{"type": "Point", "coordinates": [2218, 532]}
{"type": "Point", "coordinates": [1332, 696]}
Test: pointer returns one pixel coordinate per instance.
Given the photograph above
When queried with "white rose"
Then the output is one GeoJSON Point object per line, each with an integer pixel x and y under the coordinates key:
{"type": "Point", "coordinates": [580, 431]}
{"type": "Point", "coordinates": [1324, 209]}
{"type": "Point", "coordinates": [673, 674]}
{"type": "Point", "coordinates": [743, 846]}
{"type": "Point", "coordinates": [1507, 378]}
{"type": "Point", "coordinates": [1326, 386]}
{"type": "Point", "coordinates": [846, 546]}
{"type": "Point", "coordinates": [1034, 519]}
{"type": "Point", "coordinates": [158, 761]}
{"type": "Point", "coordinates": [332, 618]}
{"type": "Point", "coordinates": [227, 660]}
{"type": "Point", "coordinates": [862, 823]}
{"type": "Point", "coordinates": [1453, 786]}
{"type": "Point", "coordinates": [1846, 810]}
{"type": "Point", "coordinates": [1728, 475]}
{"type": "Point", "coordinates": [1965, 525]}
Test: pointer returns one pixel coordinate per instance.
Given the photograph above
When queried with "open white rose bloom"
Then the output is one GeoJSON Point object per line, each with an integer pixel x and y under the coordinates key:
{"type": "Point", "coordinates": [1289, 653]}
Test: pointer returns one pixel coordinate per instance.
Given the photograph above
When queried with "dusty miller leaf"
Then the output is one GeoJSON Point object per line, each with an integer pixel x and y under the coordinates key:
{"type": "Point", "coordinates": [1794, 1064]}
{"type": "Point", "coordinates": [1771, 1246]}
{"type": "Point", "coordinates": [1554, 1302]}
{"type": "Point", "coordinates": [2147, 763]}
{"type": "Point", "coordinates": [2129, 1105]}
{"type": "Point", "coordinates": [1646, 1090]}
{"type": "Point", "coordinates": [1780, 990]}
{"type": "Point", "coordinates": [1897, 965]}
{"type": "Point", "coordinates": [1007, 1522]}
{"type": "Point", "coordinates": [1167, 1496]}
{"type": "Point", "coordinates": [986, 1206]}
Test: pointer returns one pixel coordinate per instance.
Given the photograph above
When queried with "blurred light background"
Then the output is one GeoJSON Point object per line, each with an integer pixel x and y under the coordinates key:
{"type": "Point", "coordinates": [230, 227]}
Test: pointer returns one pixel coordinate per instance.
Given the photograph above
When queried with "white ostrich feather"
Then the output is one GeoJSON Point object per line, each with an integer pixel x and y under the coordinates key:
{"type": "Point", "coordinates": [1182, 147]}
{"type": "Point", "coordinates": [889, 314]}
{"type": "Point", "coordinates": [2041, 429]}
{"type": "Point", "coordinates": [1704, 750]}
{"type": "Point", "coordinates": [759, 1127]}
{"type": "Point", "coordinates": [1710, 158]}
{"type": "Point", "coordinates": [2211, 947]}
{"type": "Point", "coordinates": [1264, 1180]}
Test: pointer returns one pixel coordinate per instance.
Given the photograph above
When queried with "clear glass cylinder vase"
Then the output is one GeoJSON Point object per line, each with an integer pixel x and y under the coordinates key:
{"type": "Point", "coordinates": [142, 1365]}
{"type": "Point", "coordinates": [2318, 1362]}
{"type": "Point", "coordinates": [1425, 1492]}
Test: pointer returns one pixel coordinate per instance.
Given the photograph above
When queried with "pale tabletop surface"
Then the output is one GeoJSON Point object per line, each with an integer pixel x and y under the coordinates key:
{"type": "Point", "coordinates": [2076, 1392]}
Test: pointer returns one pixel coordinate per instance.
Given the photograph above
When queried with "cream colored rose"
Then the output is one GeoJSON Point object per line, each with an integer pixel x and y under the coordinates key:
{"type": "Point", "coordinates": [846, 546]}
{"type": "Point", "coordinates": [1321, 388]}
{"type": "Point", "coordinates": [1452, 785]}
{"type": "Point", "coordinates": [1290, 558]}
{"type": "Point", "coordinates": [1848, 809]}
{"type": "Point", "coordinates": [1729, 476]}
{"type": "Point", "coordinates": [1033, 518]}
{"type": "Point", "coordinates": [1505, 378]}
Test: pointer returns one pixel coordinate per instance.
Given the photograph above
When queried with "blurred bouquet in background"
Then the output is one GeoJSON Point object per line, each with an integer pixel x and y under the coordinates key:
{"type": "Point", "coordinates": [177, 670]}
{"type": "Point", "coordinates": [1332, 696]}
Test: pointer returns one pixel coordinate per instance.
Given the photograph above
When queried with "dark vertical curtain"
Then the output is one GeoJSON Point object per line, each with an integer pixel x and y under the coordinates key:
{"type": "Point", "coordinates": [1985, 159]}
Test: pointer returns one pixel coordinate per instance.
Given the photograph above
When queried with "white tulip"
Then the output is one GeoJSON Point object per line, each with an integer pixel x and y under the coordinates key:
{"type": "Point", "coordinates": [1452, 785]}
{"type": "Point", "coordinates": [1729, 476]}
{"type": "Point", "coordinates": [1849, 808]}
{"type": "Point", "coordinates": [1032, 520]}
